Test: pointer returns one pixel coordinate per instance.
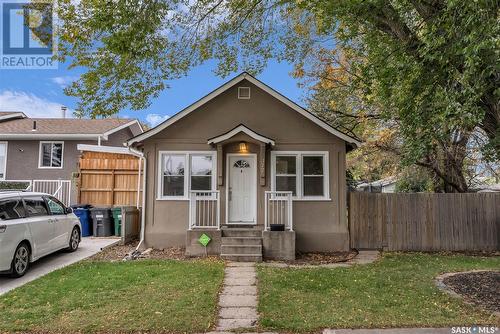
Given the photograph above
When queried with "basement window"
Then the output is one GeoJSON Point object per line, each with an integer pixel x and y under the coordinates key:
{"type": "Point", "coordinates": [244, 93]}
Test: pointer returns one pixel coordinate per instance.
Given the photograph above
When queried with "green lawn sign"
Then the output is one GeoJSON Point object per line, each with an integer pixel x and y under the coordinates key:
{"type": "Point", "coordinates": [204, 240]}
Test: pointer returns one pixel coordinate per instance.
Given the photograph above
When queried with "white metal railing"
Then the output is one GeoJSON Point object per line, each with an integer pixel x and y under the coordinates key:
{"type": "Point", "coordinates": [204, 209]}
{"type": "Point", "coordinates": [278, 209]}
{"type": "Point", "coordinates": [60, 189]}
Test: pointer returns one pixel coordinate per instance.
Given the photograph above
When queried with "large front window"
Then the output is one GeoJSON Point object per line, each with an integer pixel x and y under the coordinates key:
{"type": "Point", "coordinates": [305, 174]}
{"type": "Point", "coordinates": [181, 172]}
{"type": "Point", "coordinates": [51, 155]}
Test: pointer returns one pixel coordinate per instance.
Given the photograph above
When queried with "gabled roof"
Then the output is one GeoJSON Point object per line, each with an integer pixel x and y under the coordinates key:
{"type": "Point", "coordinates": [315, 119]}
{"type": "Point", "coordinates": [64, 128]}
{"type": "Point", "coordinates": [238, 129]}
{"type": "Point", "coordinates": [8, 115]}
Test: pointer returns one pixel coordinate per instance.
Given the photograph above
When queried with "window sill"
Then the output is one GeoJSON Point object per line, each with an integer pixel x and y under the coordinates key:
{"type": "Point", "coordinates": [172, 199]}
{"type": "Point", "coordinates": [40, 167]}
{"type": "Point", "coordinates": [312, 199]}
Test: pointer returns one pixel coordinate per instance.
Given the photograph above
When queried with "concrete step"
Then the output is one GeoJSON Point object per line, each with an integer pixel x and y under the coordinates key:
{"type": "Point", "coordinates": [248, 241]}
{"type": "Point", "coordinates": [241, 249]}
{"type": "Point", "coordinates": [241, 232]}
{"type": "Point", "coordinates": [242, 257]}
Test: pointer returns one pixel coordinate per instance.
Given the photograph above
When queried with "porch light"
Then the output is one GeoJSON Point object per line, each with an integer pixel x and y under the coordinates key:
{"type": "Point", "coordinates": [243, 147]}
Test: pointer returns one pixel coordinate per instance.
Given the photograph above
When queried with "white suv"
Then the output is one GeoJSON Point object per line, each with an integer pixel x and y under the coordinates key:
{"type": "Point", "coordinates": [33, 225]}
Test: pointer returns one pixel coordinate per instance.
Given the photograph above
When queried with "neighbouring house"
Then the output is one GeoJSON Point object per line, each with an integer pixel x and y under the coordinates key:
{"type": "Point", "coordinates": [251, 170]}
{"type": "Point", "coordinates": [42, 152]}
{"type": "Point", "coordinates": [387, 185]}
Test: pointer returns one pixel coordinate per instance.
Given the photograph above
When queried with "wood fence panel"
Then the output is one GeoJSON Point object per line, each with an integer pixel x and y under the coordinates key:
{"type": "Point", "coordinates": [425, 222]}
{"type": "Point", "coordinates": [109, 179]}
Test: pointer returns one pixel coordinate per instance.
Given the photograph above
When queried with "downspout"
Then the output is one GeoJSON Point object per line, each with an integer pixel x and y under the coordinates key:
{"type": "Point", "coordinates": [143, 211]}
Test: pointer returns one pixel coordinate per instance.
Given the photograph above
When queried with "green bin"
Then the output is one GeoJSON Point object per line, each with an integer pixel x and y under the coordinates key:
{"type": "Point", "coordinates": [117, 217]}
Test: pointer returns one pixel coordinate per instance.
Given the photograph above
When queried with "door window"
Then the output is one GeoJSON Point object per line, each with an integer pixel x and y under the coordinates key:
{"type": "Point", "coordinates": [55, 207]}
{"type": "Point", "coordinates": [36, 206]}
{"type": "Point", "coordinates": [12, 209]}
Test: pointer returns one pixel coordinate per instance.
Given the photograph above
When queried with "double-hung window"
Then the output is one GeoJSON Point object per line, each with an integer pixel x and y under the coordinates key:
{"type": "Point", "coordinates": [51, 154]}
{"type": "Point", "coordinates": [182, 172]}
{"type": "Point", "coordinates": [305, 174]}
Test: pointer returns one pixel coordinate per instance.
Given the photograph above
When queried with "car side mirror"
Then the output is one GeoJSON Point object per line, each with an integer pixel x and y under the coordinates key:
{"type": "Point", "coordinates": [69, 210]}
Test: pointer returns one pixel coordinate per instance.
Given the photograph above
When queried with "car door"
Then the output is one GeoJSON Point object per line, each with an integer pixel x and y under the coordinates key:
{"type": "Point", "coordinates": [41, 226]}
{"type": "Point", "coordinates": [60, 221]}
{"type": "Point", "coordinates": [13, 229]}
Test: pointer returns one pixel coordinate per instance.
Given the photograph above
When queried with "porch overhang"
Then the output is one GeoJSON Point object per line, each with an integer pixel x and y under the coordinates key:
{"type": "Point", "coordinates": [240, 129]}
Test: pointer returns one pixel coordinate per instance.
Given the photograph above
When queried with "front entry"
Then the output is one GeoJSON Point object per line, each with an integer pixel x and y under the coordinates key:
{"type": "Point", "coordinates": [242, 185]}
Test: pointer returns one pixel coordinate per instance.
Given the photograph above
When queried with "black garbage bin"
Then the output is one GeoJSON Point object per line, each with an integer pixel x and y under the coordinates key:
{"type": "Point", "coordinates": [103, 222]}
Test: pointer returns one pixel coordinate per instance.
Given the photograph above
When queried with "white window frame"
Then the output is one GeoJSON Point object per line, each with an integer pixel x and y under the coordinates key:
{"type": "Point", "coordinates": [241, 97]}
{"type": "Point", "coordinates": [40, 154]}
{"type": "Point", "coordinates": [5, 161]}
{"type": "Point", "coordinates": [187, 173]}
{"type": "Point", "coordinates": [300, 175]}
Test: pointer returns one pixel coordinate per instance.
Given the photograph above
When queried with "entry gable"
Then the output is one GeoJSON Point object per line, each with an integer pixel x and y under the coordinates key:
{"type": "Point", "coordinates": [245, 76]}
{"type": "Point", "coordinates": [238, 129]}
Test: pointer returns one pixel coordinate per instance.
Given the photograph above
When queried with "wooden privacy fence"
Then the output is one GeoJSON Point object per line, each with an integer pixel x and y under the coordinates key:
{"type": "Point", "coordinates": [425, 222]}
{"type": "Point", "coordinates": [109, 179]}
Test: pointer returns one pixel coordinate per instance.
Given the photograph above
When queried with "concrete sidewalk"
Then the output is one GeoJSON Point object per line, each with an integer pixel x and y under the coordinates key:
{"type": "Point", "coordinates": [88, 247]}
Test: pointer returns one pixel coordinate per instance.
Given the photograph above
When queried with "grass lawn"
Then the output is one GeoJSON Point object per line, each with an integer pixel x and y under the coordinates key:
{"type": "Point", "coordinates": [148, 295]}
{"type": "Point", "coordinates": [397, 291]}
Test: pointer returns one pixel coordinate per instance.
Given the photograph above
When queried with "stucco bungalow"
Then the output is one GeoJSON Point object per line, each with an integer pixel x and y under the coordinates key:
{"type": "Point", "coordinates": [257, 173]}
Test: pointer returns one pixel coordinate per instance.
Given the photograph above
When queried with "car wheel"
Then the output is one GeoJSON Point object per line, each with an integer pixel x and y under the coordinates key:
{"type": "Point", "coordinates": [21, 261]}
{"type": "Point", "coordinates": [74, 240]}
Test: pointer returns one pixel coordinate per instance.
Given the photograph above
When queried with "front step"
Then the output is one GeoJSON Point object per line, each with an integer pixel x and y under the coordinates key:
{"type": "Point", "coordinates": [242, 241]}
{"type": "Point", "coordinates": [241, 232]}
{"type": "Point", "coordinates": [241, 244]}
{"type": "Point", "coordinates": [241, 249]}
{"type": "Point", "coordinates": [242, 258]}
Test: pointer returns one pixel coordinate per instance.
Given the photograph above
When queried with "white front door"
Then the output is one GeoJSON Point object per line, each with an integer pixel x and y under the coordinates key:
{"type": "Point", "coordinates": [242, 194]}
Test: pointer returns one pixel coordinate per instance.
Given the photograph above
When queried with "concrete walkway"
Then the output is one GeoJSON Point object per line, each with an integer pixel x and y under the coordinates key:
{"type": "Point", "coordinates": [238, 300]}
{"type": "Point", "coordinates": [88, 247]}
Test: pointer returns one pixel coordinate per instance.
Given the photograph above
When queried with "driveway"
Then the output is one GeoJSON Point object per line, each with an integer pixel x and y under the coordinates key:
{"type": "Point", "coordinates": [88, 247]}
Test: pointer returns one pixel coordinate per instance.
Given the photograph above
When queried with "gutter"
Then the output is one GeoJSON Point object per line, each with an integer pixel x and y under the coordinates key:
{"type": "Point", "coordinates": [140, 155]}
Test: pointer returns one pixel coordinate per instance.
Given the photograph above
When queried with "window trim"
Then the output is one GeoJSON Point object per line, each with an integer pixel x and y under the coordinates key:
{"type": "Point", "coordinates": [5, 161]}
{"type": "Point", "coordinates": [40, 155]}
{"type": "Point", "coordinates": [187, 173]}
{"type": "Point", "coordinates": [300, 175]}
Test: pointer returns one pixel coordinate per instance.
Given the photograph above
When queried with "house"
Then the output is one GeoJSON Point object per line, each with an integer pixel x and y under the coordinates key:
{"type": "Point", "coordinates": [386, 185]}
{"type": "Point", "coordinates": [43, 152]}
{"type": "Point", "coordinates": [239, 164]}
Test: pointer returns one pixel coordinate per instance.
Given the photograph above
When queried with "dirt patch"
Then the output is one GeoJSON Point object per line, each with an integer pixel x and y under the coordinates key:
{"type": "Point", "coordinates": [480, 288]}
{"type": "Point", "coordinates": [315, 258]}
{"type": "Point", "coordinates": [118, 252]}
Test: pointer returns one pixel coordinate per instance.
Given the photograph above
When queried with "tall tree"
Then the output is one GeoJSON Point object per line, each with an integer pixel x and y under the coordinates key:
{"type": "Point", "coordinates": [431, 64]}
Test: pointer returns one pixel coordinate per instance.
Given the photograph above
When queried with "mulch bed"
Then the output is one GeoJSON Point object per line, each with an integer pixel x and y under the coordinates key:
{"type": "Point", "coordinates": [314, 258]}
{"type": "Point", "coordinates": [118, 252]}
{"type": "Point", "coordinates": [480, 288]}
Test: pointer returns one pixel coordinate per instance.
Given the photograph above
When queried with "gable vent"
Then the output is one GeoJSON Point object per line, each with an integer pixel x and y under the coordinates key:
{"type": "Point", "coordinates": [243, 93]}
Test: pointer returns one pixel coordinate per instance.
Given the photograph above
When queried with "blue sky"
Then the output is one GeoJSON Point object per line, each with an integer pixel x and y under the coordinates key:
{"type": "Point", "coordinates": [39, 93]}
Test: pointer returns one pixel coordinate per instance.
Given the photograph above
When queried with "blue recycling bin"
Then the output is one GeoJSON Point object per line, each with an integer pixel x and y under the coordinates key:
{"type": "Point", "coordinates": [84, 215]}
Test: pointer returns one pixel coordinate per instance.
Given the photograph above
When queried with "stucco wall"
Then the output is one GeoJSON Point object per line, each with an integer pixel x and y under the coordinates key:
{"type": "Point", "coordinates": [23, 157]}
{"type": "Point", "coordinates": [320, 225]}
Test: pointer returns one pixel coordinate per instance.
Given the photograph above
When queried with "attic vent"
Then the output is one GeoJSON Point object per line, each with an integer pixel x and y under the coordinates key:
{"type": "Point", "coordinates": [243, 93]}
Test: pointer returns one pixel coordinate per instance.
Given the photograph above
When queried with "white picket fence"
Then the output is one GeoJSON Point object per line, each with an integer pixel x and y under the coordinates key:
{"type": "Point", "coordinates": [60, 189]}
